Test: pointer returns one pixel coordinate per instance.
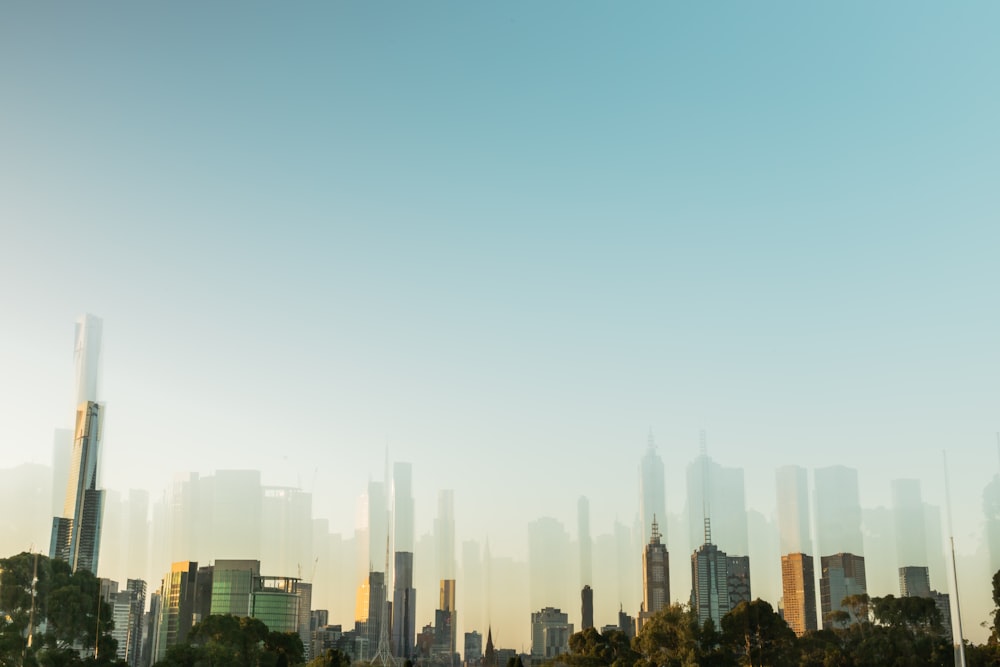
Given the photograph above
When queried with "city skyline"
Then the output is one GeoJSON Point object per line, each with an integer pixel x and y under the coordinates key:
{"type": "Point", "coordinates": [509, 245]}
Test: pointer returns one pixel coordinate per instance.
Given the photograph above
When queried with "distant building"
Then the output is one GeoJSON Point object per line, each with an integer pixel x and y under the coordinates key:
{"type": "Point", "coordinates": [626, 624]}
{"type": "Point", "coordinates": [738, 580]}
{"type": "Point", "coordinates": [490, 653]}
{"type": "Point", "coordinates": [914, 582]}
{"type": "Point", "coordinates": [709, 581]}
{"type": "Point", "coordinates": [587, 608]}
{"type": "Point", "coordinates": [843, 575]}
{"type": "Point", "coordinates": [404, 607]}
{"type": "Point", "coordinates": [550, 633]}
{"type": "Point", "coordinates": [178, 600]}
{"type": "Point", "coordinates": [798, 585]}
{"type": "Point", "coordinates": [472, 656]}
{"type": "Point", "coordinates": [128, 614]}
{"type": "Point", "coordinates": [655, 576]}
{"type": "Point", "coordinates": [233, 584]}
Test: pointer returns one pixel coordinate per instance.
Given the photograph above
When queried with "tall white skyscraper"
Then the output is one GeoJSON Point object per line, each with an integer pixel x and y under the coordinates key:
{"type": "Point", "coordinates": [76, 536]}
{"type": "Point", "coordinates": [652, 498]}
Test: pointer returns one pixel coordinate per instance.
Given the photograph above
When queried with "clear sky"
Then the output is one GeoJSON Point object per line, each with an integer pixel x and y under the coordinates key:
{"type": "Point", "coordinates": [506, 240]}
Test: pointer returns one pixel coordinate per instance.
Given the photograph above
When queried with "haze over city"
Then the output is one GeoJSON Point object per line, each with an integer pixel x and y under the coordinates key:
{"type": "Point", "coordinates": [508, 244]}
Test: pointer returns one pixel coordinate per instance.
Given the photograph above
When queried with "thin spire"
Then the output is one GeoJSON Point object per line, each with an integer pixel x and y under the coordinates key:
{"type": "Point", "coordinates": [705, 481]}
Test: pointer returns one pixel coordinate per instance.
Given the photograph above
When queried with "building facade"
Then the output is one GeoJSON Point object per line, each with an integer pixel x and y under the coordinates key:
{"type": "Point", "coordinates": [798, 585]}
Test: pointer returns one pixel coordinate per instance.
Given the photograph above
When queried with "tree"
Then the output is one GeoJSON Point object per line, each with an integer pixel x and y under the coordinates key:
{"type": "Point", "coordinates": [590, 648]}
{"type": "Point", "coordinates": [757, 635]}
{"type": "Point", "coordinates": [66, 604]}
{"type": "Point", "coordinates": [668, 639]}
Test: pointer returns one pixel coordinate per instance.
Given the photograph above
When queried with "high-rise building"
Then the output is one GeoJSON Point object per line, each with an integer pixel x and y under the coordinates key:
{"type": "Point", "coordinates": [128, 607]}
{"type": "Point", "coordinates": [838, 511]}
{"type": "Point", "coordinates": [233, 585]}
{"type": "Point", "coordinates": [793, 510]}
{"type": "Point", "coordinates": [276, 602]}
{"type": "Point", "coordinates": [550, 633]}
{"type": "Point", "coordinates": [178, 607]}
{"type": "Point", "coordinates": [404, 607]}
{"type": "Point", "coordinates": [843, 575]}
{"type": "Point", "coordinates": [446, 622]}
{"type": "Point", "coordinates": [655, 575]}
{"type": "Point", "coordinates": [738, 580]}
{"type": "Point", "coordinates": [472, 656]}
{"type": "Point", "coordinates": [586, 608]}
{"type": "Point", "coordinates": [709, 581]}
{"type": "Point", "coordinates": [76, 535]}
{"type": "Point", "coordinates": [798, 585]}
{"type": "Point", "coordinates": [914, 582]}
{"type": "Point", "coordinates": [652, 497]}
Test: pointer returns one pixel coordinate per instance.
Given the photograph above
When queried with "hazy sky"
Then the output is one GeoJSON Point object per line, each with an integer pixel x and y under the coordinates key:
{"type": "Point", "coordinates": [506, 239]}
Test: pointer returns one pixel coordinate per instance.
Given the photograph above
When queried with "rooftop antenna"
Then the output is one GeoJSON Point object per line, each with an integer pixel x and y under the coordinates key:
{"type": "Point", "coordinates": [960, 658]}
{"type": "Point", "coordinates": [383, 656]}
{"type": "Point", "coordinates": [705, 515]}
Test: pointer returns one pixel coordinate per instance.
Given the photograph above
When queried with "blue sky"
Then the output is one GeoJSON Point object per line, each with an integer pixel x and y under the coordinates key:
{"type": "Point", "coordinates": [507, 239]}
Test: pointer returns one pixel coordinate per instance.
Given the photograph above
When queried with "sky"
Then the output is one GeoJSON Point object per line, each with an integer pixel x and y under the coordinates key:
{"type": "Point", "coordinates": [505, 241]}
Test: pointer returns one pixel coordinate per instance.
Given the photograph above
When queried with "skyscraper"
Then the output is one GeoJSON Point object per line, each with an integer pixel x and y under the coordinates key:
{"type": "Point", "coordinates": [76, 536]}
{"type": "Point", "coordinates": [655, 575]}
{"type": "Point", "coordinates": [652, 498]}
{"type": "Point", "coordinates": [404, 595]}
{"type": "Point", "coordinates": [709, 581]}
{"type": "Point", "coordinates": [586, 608]}
{"type": "Point", "coordinates": [798, 586]}
{"type": "Point", "coordinates": [843, 575]}
{"type": "Point", "coordinates": [404, 607]}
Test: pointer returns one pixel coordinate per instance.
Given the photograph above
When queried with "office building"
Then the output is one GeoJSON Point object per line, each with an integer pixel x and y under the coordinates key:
{"type": "Point", "coordinates": [798, 586]}
{"type": "Point", "coordinates": [738, 580]}
{"type": "Point", "coordinates": [404, 607]}
{"type": "Point", "coordinates": [843, 575]}
{"type": "Point", "coordinates": [276, 602]}
{"type": "Point", "coordinates": [127, 608]}
{"type": "Point", "coordinates": [472, 656]}
{"type": "Point", "coordinates": [709, 581]}
{"type": "Point", "coordinates": [233, 585]}
{"type": "Point", "coordinates": [586, 608]}
{"type": "Point", "coordinates": [550, 633]}
{"type": "Point", "coordinates": [655, 575]}
{"type": "Point", "coordinates": [178, 607]}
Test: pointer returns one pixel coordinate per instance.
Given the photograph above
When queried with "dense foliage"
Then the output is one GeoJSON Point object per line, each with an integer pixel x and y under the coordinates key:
{"type": "Point", "coordinates": [231, 641]}
{"type": "Point", "coordinates": [67, 618]}
{"type": "Point", "coordinates": [887, 631]}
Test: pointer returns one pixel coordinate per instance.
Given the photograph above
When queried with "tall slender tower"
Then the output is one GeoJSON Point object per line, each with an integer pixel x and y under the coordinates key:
{"type": "Point", "coordinates": [655, 575]}
{"type": "Point", "coordinates": [76, 536]}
